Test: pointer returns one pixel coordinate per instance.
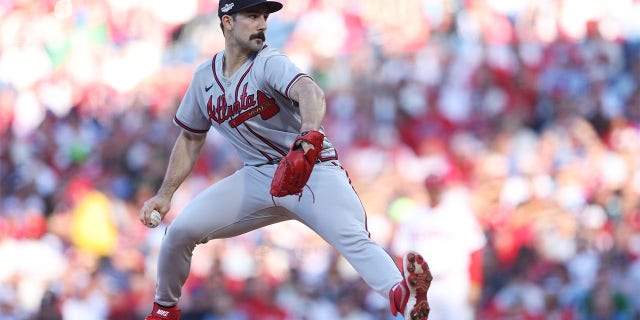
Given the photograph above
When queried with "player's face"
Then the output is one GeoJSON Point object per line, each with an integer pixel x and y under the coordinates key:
{"type": "Point", "coordinates": [249, 28]}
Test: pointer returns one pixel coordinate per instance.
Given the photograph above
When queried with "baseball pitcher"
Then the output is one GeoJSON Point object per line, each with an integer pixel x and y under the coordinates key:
{"type": "Point", "coordinates": [271, 112]}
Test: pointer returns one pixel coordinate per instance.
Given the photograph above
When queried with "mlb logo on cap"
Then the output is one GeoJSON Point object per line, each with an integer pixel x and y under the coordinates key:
{"type": "Point", "coordinates": [228, 7]}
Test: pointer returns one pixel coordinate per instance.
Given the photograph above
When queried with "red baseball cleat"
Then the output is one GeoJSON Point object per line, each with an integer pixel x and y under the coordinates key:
{"type": "Point", "coordinates": [409, 297]}
{"type": "Point", "coordinates": [163, 313]}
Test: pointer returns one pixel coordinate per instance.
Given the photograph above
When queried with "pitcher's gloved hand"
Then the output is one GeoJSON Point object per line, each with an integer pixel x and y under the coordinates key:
{"type": "Point", "coordinates": [295, 168]}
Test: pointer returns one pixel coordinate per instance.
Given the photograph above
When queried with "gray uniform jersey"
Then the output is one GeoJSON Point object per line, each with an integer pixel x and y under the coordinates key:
{"type": "Point", "coordinates": [252, 108]}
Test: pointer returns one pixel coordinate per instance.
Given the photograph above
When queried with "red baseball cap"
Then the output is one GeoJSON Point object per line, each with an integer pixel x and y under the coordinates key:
{"type": "Point", "coordinates": [228, 7]}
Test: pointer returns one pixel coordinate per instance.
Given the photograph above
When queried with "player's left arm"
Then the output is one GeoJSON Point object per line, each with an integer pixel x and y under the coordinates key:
{"type": "Point", "coordinates": [295, 168]}
{"type": "Point", "coordinates": [311, 100]}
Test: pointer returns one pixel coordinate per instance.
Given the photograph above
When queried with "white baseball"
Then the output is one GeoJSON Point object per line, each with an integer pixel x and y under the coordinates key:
{"type": "Point", "coordinates": [154, 219]}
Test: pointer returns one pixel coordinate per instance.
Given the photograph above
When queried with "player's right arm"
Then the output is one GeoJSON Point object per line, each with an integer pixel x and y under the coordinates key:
{"type": "Point", "coordinates": [184, 155]}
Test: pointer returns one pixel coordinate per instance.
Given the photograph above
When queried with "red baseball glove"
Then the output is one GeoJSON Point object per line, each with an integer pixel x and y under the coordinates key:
{"type": "Point", "coordinates": [295, 168]}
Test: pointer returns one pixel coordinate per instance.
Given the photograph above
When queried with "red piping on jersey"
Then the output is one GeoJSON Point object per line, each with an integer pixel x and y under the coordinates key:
{"type": "Point", "coordinates": [292, 82]}
{"type": "Point", "coordinates": [241, 79]}
{"type": "Point", "coordinates": [248, 142]}
{"type": "Point", "coordinates": [184, 126]}
{"type": "Point", "coordinates": [215, 74]}
{"type": "Point", "coordinates": [267, 142]}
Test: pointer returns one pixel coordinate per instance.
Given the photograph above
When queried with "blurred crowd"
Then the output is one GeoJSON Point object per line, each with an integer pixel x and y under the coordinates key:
{"type": "Point", "coordinates": [527, 111]}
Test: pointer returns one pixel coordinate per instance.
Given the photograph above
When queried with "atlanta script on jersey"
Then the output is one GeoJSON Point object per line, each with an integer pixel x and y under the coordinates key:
{"type": "Point", "coordinates": [252, 108]}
